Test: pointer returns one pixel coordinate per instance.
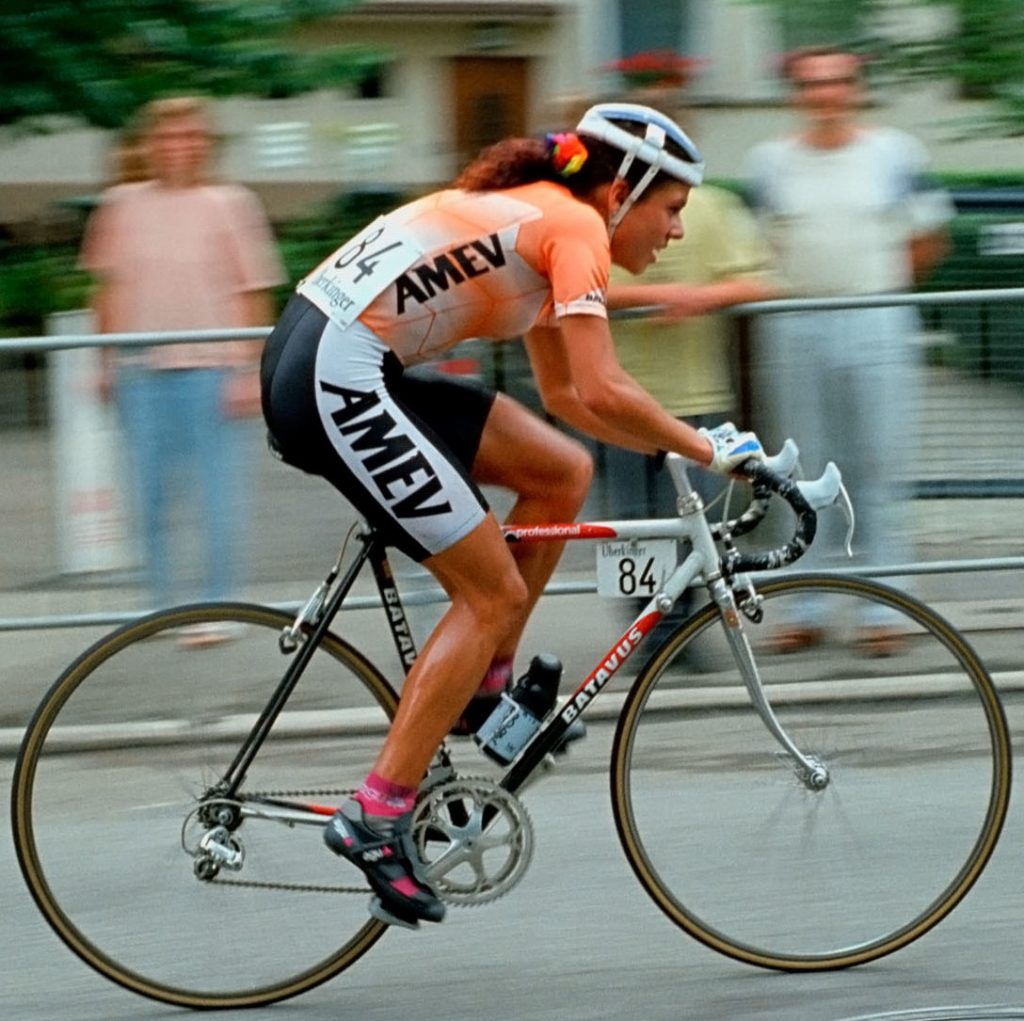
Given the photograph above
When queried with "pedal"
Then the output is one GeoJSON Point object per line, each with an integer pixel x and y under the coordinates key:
{"type": "Point", "coordinates": [382, 914]}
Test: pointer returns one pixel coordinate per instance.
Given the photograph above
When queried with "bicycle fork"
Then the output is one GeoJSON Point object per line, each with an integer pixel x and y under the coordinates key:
{"type": "Point", "coordinates": [811, 772]}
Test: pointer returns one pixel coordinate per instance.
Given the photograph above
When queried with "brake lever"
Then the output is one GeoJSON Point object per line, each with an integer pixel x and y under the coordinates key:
{"type": "Point", "coordinates": [785, 461]}
{"type": "Point", "coordinates": [846, 504]}
{"type": "Point", "coordinates": [828, 491]}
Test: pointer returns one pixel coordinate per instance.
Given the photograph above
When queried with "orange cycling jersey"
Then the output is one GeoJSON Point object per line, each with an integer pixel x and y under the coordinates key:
{"type": "Point", "coordinates": [487, 264]}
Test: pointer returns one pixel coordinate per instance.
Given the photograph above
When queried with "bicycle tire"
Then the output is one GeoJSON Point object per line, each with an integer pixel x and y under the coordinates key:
{"type": "Point", "coordinates": [744, 857]}
{"type": "Point", "coordinates": [100, 801]}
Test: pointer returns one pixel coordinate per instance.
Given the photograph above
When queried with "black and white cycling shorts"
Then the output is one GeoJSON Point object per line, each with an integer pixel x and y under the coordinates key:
{"type": "Point", "coordinates": [399, 444]}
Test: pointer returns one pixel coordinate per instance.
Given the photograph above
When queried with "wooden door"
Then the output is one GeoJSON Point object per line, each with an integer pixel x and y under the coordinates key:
{"type": "Point", "coordinates": [491, 97]}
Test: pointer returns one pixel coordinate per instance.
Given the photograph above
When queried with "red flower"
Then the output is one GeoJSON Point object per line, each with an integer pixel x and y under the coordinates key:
{"type": "Point", "coordinates": [656, 67]}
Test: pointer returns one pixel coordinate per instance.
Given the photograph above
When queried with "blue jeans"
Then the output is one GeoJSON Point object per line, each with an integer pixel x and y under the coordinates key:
{"type": "Point", "coordinates": [173, 419]}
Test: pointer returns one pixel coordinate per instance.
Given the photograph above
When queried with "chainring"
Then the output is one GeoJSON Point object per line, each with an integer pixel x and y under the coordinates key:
{"type": "Point", "coordinates": [474, 838]}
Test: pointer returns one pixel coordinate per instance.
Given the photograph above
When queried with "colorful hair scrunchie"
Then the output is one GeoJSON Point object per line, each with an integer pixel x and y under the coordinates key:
{"type": "Point", "coordinates": [566, 152]}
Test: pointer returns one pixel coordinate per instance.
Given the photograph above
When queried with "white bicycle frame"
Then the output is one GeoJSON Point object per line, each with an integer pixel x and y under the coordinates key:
{"type": "Point", "coordinates": [702, 565]}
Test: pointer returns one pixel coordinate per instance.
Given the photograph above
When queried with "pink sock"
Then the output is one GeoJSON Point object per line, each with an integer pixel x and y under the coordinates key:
{"type": "Point", "coordinates": [497, 676]}
{"type": "Point", "coordinates": [382, 797]}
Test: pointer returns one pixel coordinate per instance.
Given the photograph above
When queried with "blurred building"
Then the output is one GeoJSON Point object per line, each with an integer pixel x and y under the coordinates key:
{"type": "Point", "coordinates": [458, 74]}
{"type": "Point", "coordinates": [455, 75]}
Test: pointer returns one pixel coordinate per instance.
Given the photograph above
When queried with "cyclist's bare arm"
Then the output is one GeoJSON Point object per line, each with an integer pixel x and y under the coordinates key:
{"type": "Point", "coordinates": [581, 382]}
{"type": "Point", "coordinates": [560, 396]}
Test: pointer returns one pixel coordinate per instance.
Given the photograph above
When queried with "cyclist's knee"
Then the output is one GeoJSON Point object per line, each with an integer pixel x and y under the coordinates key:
{"type": "Point", "coordinates": [501, 595]}
{"type": "Point", "coordinates": [510, 592]}
{"type": "Point", "coordinates": [576, 472]}
{"type": "Point", "coordinates": [580, 474]}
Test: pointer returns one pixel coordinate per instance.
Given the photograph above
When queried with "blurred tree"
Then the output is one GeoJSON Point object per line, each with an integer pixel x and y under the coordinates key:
{"type": "Point", "coordinates": [811, 22]}
{"type": "Point", "coordinates": [982, 49]}
{"type": "Point", "coordinates": [101, 59]}
{"type": "Point", "coordinates": [979, 44]}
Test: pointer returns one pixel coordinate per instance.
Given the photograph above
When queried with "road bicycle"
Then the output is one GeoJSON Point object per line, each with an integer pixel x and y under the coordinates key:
{"type": "Point", "coordinates": [804, 811]}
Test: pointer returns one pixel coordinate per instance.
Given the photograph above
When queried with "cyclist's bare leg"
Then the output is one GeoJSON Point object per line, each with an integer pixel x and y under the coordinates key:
{"type": "Point", "coordinates": [492, 587]}
{"type": "Point", "coordinates": [486, 589]}
{"type": "Point", "coordinates": [550, 474]}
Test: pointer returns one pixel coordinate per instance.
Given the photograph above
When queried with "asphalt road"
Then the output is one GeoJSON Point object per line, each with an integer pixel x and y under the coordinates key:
{"type": "Point", "coordinates": [577, 939]}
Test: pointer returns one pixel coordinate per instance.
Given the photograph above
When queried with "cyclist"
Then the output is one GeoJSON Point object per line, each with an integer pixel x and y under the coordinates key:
{"type": "Point", "coordinates": [520, 245]}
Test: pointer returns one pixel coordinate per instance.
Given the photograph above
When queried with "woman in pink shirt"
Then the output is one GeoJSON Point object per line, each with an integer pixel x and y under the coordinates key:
{"type": "Point", "coordinates": [176, 252]}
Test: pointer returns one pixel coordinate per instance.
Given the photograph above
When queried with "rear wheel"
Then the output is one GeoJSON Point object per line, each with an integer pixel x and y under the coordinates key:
{"type": "Point", "coordinates": [115, 795]}
{"type": "Point", "coordinates": [769, 866]}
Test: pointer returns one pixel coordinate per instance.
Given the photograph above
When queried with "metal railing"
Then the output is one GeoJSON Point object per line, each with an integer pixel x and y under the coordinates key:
{"type": "Point", "coordinates": [960, 376]}
{"type": "Point", "coordinates": [995, 296]}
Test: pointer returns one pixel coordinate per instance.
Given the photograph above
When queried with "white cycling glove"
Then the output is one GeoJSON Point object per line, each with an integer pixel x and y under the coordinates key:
{"type": "Point", "coordinates": [731, 448]}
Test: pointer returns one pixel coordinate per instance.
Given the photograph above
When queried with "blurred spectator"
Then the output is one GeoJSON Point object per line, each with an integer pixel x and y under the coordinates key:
{"type": "Point", "coordinates": [848, 210]}
{"type": "Point", "coordinates": [684, 356]}
{"type": "Point", "coordinates": [179, 251]}
{"type": "Point", "coordinates": [128, 160]}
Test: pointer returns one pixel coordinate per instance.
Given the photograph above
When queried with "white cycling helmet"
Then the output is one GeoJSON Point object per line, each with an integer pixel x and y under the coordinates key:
{"type": "Point", "coordinates": [598, 122]}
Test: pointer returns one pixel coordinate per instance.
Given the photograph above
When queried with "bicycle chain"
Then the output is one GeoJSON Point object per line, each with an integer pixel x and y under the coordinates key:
{"type": "Point", "coordinates": [314, 887]}
{"type": "Point", "coordinates": [302, 794]}
{"type": "Point", "coordinates": [293, 887]}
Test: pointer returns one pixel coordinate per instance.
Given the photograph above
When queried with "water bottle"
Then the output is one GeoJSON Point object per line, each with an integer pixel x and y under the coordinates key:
{"type": "Point", "coordinates": [519, 714]}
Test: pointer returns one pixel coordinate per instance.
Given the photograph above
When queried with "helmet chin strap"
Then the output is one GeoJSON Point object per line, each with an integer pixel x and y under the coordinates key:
{"type": "Point", "coordinates": [614, 219]}
{"type": "Point", "coordinates": [656, 134]}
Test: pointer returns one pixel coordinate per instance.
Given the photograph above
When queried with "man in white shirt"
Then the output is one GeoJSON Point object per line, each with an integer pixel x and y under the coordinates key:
{"type": "Point", "coordinates": [848, 210]}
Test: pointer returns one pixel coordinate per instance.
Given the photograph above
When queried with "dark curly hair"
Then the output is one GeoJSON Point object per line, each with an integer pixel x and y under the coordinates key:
{"type": "Point", "coordinates": [516, 161]}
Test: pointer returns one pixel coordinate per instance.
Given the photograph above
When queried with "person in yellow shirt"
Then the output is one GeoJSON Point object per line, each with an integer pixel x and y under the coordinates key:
{"type": "Point", "coordinates": [684, 355]}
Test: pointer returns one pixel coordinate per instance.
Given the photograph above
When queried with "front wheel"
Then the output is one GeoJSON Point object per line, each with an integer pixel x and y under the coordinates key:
{"type": "Point", "coordinates": [134, 860]}
{"type": "Point", "coordinates": [763, 862]}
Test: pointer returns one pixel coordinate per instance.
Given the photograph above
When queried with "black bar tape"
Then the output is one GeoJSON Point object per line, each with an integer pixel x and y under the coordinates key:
{"type": "Point", "coordinates": [766, 482]}
{"type": "Point", "coordinates": [750, 518]}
